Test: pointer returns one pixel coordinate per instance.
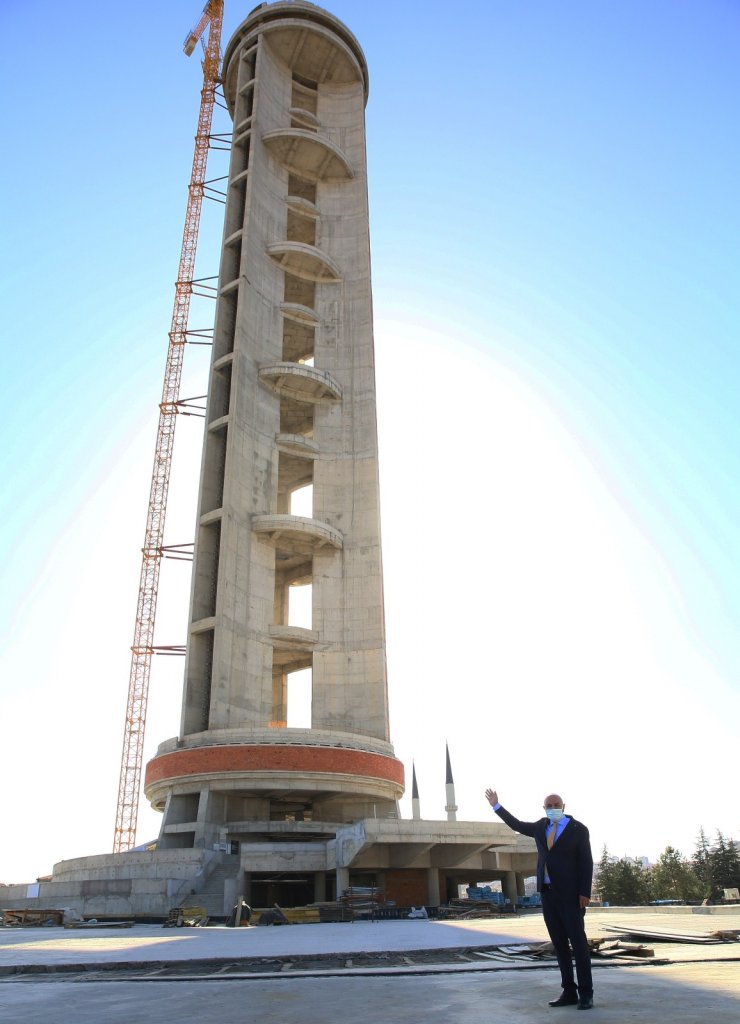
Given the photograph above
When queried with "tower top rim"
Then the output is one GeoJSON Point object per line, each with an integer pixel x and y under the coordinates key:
{"type": "Point", "coordinates": [266, 13]}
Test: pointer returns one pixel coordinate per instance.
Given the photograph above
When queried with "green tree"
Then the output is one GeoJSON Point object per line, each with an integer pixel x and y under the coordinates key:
{"type": "Point", "coordinates": [725, 866]}
{"type": "Point", "coordinates": [603, 877]}
{"type": "Point", "coordinates": [622, 883]}
{"type": "Point", "coordinates": [702, 864]}
{"type": "Point", "coordinates": [674, 877]}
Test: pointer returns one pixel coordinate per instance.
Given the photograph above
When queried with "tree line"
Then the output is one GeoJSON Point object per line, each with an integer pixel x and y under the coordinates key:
{"type": "Point", "coordinates": [713, 868]}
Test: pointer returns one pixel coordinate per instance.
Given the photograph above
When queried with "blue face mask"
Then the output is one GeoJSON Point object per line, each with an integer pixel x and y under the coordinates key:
{"type": "Point", "coordinates": [554, 813]}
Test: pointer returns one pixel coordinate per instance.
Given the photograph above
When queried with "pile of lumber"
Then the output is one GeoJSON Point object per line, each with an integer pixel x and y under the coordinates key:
{"type": "Point", "coordinates": [724, 935]}
{"type": "Point", "coordinates": [462, 909]}
{"type": "Point", "coordinates": [617, 949]}
{"type": "Point", "coordinates": [302, 915]}
{"type": "Point", "coordinates": [544, 951]}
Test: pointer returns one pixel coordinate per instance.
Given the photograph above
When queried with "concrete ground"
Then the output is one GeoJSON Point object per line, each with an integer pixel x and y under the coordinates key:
{"type": "Point", "coordinates": [149, 973]}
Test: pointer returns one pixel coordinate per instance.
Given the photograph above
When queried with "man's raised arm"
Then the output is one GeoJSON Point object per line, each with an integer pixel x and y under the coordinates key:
{"type": "Point", "coordinates": [526, 828]}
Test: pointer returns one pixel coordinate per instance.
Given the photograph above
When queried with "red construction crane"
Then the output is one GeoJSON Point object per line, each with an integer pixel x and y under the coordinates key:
{"type": "Point", "coordinates": [143, 646]}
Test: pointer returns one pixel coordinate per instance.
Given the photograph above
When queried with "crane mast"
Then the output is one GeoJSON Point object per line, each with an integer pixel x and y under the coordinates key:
{"type": "Point", "coordinates": [143, 648]}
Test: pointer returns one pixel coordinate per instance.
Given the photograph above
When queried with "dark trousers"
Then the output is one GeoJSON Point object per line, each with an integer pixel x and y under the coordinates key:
{"type": "Point", "coordinates": [565, 925]}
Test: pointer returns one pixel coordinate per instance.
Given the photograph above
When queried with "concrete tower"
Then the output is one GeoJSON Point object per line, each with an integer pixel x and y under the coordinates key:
{"type": "Point", "coordinates": [253, 806]}
{"type": "Point", "coordinates": [291, 405]}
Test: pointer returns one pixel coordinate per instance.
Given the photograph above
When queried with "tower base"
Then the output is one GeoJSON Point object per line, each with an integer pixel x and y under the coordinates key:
{"type": "Point", "coordinates": [413, 863]}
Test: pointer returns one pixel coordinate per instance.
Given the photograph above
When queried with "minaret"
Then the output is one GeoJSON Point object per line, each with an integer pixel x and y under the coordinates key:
{"type": "Point", "coordinates": [415, 806]}
{"type": "Point", "coordinates": [451, 807]}
{"type": "Point", "coordinates": [291, 407]}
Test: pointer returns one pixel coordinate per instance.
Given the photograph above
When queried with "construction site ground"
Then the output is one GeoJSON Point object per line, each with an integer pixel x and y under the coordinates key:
{"type": "Point", "coordinates": [384, 971]}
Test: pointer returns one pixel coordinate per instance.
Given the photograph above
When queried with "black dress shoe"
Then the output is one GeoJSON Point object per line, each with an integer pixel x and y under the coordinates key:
{"type": "Point", "coordinates": [566, 999]}
{"type": "Point", "coordinates": [586, 1003]}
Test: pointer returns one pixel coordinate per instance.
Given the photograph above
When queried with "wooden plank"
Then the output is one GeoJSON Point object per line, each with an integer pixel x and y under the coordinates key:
{"type": "Point", "coordinates": [657, 936]}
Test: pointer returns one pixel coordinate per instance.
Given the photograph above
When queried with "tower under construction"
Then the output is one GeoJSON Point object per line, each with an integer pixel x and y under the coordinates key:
{"type": "Point", "coordinates": [291, 408]}
{"type": "Point", "coordinates": [287, 574]}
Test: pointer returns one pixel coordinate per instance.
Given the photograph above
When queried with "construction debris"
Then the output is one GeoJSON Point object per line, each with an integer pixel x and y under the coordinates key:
{"type": "Point", "coordinates": [545, 951]}
{"type": "Point", "coordinates": [273, 916]}
{"type": "Point", "coordinates": [467, 910]}
{"type": "Point", "coordinates": [726, 935]}
{"type": "Point", "coordinates": [333, 912]}
{"type": "Point", "coordinates": [94, 923]}
{"type": "Point", "coordinates": [528, 951]}
{"type": "Point", "coordinates": [190, 917]}
{"type": "Point", "coordinates": [33, 918]}
{"type": "Point", "coordinates": [615, 950]}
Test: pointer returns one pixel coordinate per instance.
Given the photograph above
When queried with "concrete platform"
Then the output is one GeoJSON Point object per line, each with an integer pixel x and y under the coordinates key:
{"type": "Point", "coordinates": [54, 947]}
{"type": "Point", "coordinates": [112, 976]}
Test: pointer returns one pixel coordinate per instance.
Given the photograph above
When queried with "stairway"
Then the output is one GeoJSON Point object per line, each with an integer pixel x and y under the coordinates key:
{"type": "Point", "coordinates": [211, 896]}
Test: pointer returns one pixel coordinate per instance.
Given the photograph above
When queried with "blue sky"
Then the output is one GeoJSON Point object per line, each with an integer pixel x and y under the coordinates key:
{"type": "Point", "coordinates": [554, 225]}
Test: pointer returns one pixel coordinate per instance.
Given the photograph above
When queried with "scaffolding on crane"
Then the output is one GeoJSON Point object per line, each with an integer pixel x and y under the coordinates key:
{"type": "Point", "coordinates": [154, 550]}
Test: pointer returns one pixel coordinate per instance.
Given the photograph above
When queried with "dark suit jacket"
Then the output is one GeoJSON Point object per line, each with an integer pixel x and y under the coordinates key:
{"type": "Point", "coordinates": [570, 865]}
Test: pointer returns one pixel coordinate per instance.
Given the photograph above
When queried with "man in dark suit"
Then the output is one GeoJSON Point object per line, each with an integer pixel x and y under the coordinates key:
{"type": "Point", "coordinates": [564, 872]}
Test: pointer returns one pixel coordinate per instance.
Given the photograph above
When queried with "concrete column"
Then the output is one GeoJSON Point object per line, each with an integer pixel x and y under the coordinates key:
{"type": "Point", "coordinates": [319, 886]}
{"type": "Point", "coordinates": [433, 887]}
{"type": "Point", "coordinates": [342, 881]}
{"type": "Point", "coordinates": [520, 888]}
{"type": "Point", "coordinates": [201, 835]}
{"type": "Point", "coordinates": [230, 894]}
{"type": "Point", "coordinates": [247, 886]}
{"type": "Point", "coordinates": [162, 842]}
{"type": "Point", "coordinates": [509, 886]}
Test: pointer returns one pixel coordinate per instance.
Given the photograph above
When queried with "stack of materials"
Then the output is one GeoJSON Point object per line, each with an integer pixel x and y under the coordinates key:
{"type": "Point", "coordinates": [332, 912]}
{"type": "Point", "coordinates": [302, 915]}
{"type": "Point", "coordinates": [362, 900]}
{"type": "Point", "coordinates": [464, 908]}
{"type": "Point", "coordinates": [485, 892]}
{"type": "Point", "coordinates": [529, 901]}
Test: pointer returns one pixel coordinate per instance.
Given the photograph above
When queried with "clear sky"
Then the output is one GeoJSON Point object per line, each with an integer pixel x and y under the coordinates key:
{"type": "Point", "coordinates": [555, 218]}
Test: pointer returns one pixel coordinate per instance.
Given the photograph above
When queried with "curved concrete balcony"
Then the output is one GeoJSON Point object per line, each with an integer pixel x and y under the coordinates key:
{"type": "Point", "coordinates": [293, 638]}
{"type": "Point", "coordinates": [214, 516]}
{"type": "Point", "coordinates": [298, 445]}
{"type": "Point", "coordinates": [308, 155]}
{"type": "Point", "coordinates": [302, 206]}
{"type": "Point", "coordinates": [312, 43]}
{"type": "Point", "coordinates": [304, 261]}
{"type": "Point", "coordinates": [293, 646]}
{"type": "Point", "coordinates": [301, 382]}
{"type": "Point", "coordinates": [302, 118]}
{"type": "Point", "coordinates": [300, 314]}
{"type": "Point", "coordinates": [223, 361]}
{"type": "Point", "coordinates": [221, 423]}
{"type": "Point", "coordinates": [230, 286]}
{"type": "Point", "coordinates": [316, 52]}
{"type": "Point", "coordinates": [294, 537]}
{"type": "Point", "coordinates": [234, 237]}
